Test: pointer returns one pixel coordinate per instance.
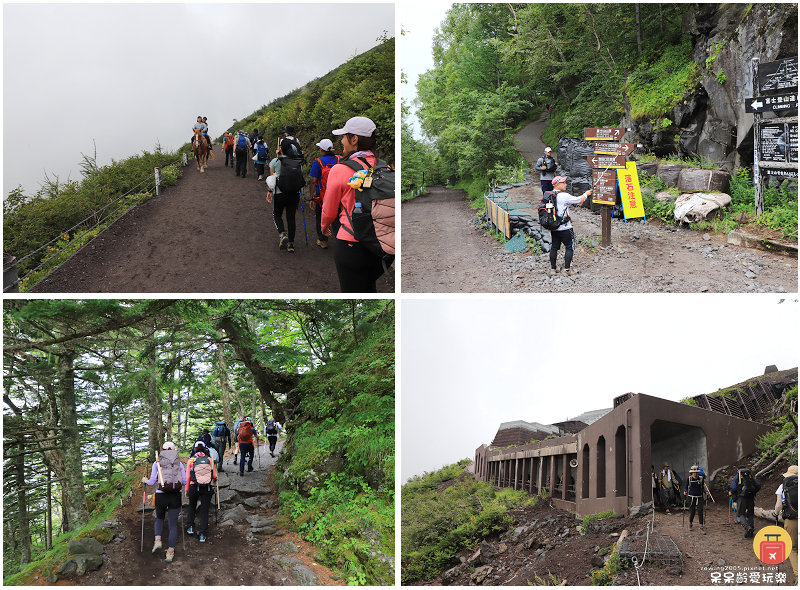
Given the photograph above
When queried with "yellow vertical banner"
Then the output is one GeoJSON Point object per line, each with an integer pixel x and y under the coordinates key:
{"type": "Point", "coordinates": [630, 192]}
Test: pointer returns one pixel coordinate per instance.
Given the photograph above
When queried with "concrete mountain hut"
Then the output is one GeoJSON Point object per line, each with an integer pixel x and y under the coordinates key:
{"type": "Point", "coordinates": [601, 460]}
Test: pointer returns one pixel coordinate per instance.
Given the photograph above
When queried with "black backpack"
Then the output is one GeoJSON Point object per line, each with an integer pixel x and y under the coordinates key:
{"type": "Point", "coordinates": [548, 212]}
{"type": "Point", "coordinates": [290, 178]}
{"type": "Point", "coordinates": [790, 498]}
{"type": "Point", "coordinates": [272, 428]}
{"type": "Point", "coordinates": [550, 164]}
{"type": "Point", "coordinates": [747, 485]}
{"type": "Point", "coordinates": [291, 148]}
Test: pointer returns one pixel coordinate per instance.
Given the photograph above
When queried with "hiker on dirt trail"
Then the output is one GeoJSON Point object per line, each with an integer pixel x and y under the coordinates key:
{"type": "Point", "coordinates": [202, 475]}
{"type": "Point", "coordinates": [656, 489]}
{"type": "Point", "coordinates": [669, 486]}
{"type": "Point", "coordinates": [272, 429]}
{"type": "Point", "coordinates": [546, 165]}
{"type": "Point", "coordinates": [168, 495]}
{"type": "Point", "coordinates": [261, 153]}
{"type": "Point", "coordinates": [564, 234]}
{"type": "Point", "coordinates": [228, 147]}
{"type": "Point", "coordinates": [253, 138]}
{"type": "Point", "coordinates": [695, 492]}
{"type": "Point", "coordinates": [245, 435]}
{"type": "Point", "coordinates": [290, 145]}
{"type": "Point", "coordinates": [786, 507]}
{"type": "Point", "coordinates": [221, 437]}
{"type": "Point", "coordinates": [281, 202]}
{"type": "Point", "coordinates": [744, 488]}
{"type": "Point", "coordinates": [242, 147]}
{"type": "Point", "coordinates": [235, 439]}
{"type": "Point", "coordinates": [320, 169]}
{"type": "Point", "coordinates": [358, 268]}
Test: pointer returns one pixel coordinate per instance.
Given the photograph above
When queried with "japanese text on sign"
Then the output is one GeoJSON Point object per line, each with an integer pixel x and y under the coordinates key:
{"type": "Point", "coordinates": [778, 75]}
{"type": "Point", "coordinates": [630, 192]}
{"type": "Point", "coordinates": [607, 133]}
{"type": "Point", "coordinates": [604, 187]}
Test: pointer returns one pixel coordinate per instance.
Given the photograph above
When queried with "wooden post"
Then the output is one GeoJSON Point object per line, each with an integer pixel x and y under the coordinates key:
{"type": "Point", "coordinates": [158, 181]}
{"type": "Point", "coordinates": [605, 224]}
{"type": "Point", "coordinates": [757, 180]}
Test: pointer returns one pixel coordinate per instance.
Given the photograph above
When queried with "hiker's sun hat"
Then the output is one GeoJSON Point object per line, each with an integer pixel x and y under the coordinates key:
{"type": "Point", "coordinates": [791, 471]}
{"type": "Point", "coordinates": [559, 180]}
{"type": "Point", "coordinates": [325, 144]}
{"type": "Point", "coordinates": [357, 126]}
{"type": "Point", "coordinates": [169, 446]}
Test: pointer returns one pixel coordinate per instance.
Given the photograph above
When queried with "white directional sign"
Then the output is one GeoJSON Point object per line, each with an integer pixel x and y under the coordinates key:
{"type": "Point", "coordinates": [779, 102]}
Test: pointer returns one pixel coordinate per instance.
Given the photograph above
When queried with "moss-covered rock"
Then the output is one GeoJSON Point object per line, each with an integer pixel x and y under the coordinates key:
{"type": "Point", "coordinates": [102, 534]}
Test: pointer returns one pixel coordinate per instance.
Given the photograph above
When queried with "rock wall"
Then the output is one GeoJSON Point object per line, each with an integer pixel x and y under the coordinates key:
{"type": "Point", "coordinates": [711, 121]}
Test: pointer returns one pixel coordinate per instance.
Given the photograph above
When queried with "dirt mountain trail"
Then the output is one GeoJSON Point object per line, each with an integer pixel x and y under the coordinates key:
{"type": "Point", "coordinates": [212, 232]}
{"type": "Point", "coordinates": [251, 549]}
{"type": "Point", "coordinates": [446, 251]}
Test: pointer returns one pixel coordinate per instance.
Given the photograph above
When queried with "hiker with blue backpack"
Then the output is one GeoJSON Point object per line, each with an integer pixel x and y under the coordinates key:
{"type": "Point", "coordinates": [365, 239]}
{"type": "Point", "coordinates": [221, 437]}
{"type": "Point", "coordinates": [242, 147]}
{"type": "Point", "coordinates": [202, 474]}
{"type": "Point", "coordinates": [169, 473]}
{"type": "Point", "coordinates": [318, 183]}
{"type": "Point", "coordinates": [261, 156]}
{"type": "Point", "coordinates": [554, 215]}
{"type": "Point", "coordinates": [744, 488]}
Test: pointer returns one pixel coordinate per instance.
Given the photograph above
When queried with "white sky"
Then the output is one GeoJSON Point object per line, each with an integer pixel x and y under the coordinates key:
{"type": "Point", "coordinates": [469, 364]}
{"type": "Point", "coordinates": [129, 75]}
{"type": "Point", "coordinates": [418, 19]}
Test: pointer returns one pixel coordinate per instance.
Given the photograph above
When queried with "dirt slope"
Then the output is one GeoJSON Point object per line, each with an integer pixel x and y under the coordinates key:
{"type": "Point", "coordinates": [212, 232]}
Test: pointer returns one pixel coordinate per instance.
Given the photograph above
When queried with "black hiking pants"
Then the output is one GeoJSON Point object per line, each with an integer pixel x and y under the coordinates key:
{"type": "Point", "coordinates": [241, 162]}
{"type": "Point", "coordinates": [229, 155]}
{"type": "Point", "coordinates": [273, 440]}
{"type": "Point", "coordinates": [696, 503]}
{"type": "Point", "coordinates": [288, 202]}
{"type": "Point", "coordinates": [357, 267]}
{"type": "Point", "coordinates": [246, 449]}
{"type": "Point", "coordinates": [221, 445]}
{"type": "Point", "coordinates": [204, 495]}
{"type": "Point", "coordinates": [744, 510]}
{"type": "Point", "coordinates": [168, 501]}
{"type": "Point", "coordinates": [558, 237]}
{"type": "Point", "coordinates": [318, 214]}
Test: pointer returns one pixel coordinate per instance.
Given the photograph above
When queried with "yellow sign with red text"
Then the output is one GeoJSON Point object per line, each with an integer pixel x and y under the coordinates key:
{"type": "Point", "coordinates": [630, 192]}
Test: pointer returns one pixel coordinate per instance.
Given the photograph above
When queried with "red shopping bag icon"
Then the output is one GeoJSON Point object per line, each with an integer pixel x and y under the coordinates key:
{"type": "Point", "coordinates": [772, 552]}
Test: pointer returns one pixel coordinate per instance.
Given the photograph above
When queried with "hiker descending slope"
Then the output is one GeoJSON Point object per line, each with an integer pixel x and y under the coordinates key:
{"type": "Point", "coordinates": [695, 491]}
{"type": "Point", "coordinates": [221, 437]}
{"type": "Point", "coordinates": [168, 471]}
{"type": "Point", "coordinates": [272, 429]}
{"type": "Point", "coordinates": [669, 486]}
{"type": "Point", "coordinates": [245, 436]}
{"type": "Point", "coordinates": [744, 488]}
{"type": "Point", "coordinates": [202, 475]}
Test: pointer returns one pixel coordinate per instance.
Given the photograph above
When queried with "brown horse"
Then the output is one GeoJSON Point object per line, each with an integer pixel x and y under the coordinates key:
{"type": "Point", "coordinates": [200, 149]}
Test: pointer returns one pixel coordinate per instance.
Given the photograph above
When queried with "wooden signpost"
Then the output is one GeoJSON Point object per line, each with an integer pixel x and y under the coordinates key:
{"type": "Point", "coordinates": [615, 149]}
{"type": "Point", "coordinates": [603, 133]}
{"type": "Point", "coordinates": [606, 162]}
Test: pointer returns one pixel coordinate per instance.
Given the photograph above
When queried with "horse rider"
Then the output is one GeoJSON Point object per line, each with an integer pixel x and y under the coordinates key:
{"type": "Point", "coordinates": [199, 125]}
{"type": "Point", "coordinates": [205, 131]}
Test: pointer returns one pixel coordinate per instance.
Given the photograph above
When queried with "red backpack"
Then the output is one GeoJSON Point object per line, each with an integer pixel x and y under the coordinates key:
{"type": "Point", "coordinates": [245, 434]}
{"type": "Point", "coordinates": [323, 181]}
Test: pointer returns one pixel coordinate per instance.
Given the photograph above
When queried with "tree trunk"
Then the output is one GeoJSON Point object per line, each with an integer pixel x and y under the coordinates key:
{"type": "Point", "coordinates": [353, 318]}
{"type": "Point", "coordinates": [76, 511]}
{"type": "Point", "coordinates": [223, 385]}
{"type": "Point", "coordinates": [254, 405]}
{"type": "Point", "coordinates": [109, 440]}
{"type": "Point", "coordinates": [22, 509]}
{"type": "Point", "coordinates": [186, 418]}
{"type": "Point", "coordinates": [154, 415]}
{"type": "Point", "coordinates": [638, 31]}
{"type": "Point", "coordinates": [49, 522]}
{"type": "Point", "coordinates": [660, 20]}
{"type": "Point", "coordinates": [170, 410]}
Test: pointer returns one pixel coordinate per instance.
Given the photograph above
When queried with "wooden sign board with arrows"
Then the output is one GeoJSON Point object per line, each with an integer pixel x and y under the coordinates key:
{"type": "Point", "coordinates": [612, 148]}
{"type": "Point", "coordinates": [768, 104]}
{"type": "Point", "coordinates": [603, 133]}
{"type": "Point", "coordinates": [606, 161]}
{"type": "Point", "coordinates": [604, 187]}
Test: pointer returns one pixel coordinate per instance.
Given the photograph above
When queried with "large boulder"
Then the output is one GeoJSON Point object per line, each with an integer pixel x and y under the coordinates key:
{"type": "Point", "coordinates": [237, 514]}
{"type": "Point", "coordinates": [670, 172]}
{"type": "Point", "coordinates": [79, 565]}
{"type": "Point", "coordinates": [694, 180]}
{"type": "Point", "coordinates": [88, 545]}
{"type": "Point", "coordinates": [699, 206]}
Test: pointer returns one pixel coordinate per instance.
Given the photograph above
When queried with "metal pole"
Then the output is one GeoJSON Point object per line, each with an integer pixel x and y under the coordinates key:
{"type": "Point", "coordinates": [757, 180]}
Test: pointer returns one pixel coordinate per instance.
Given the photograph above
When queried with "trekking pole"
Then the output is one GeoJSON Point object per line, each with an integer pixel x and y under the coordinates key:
{"type": "Point", "coordinates": [144, 496]}
{"type": "Point", "coordinates": [709, 493]}
{"type": "Point", "coordinates": [683, 523]}
{"type": "Point", "coordinates": [258, 452]}
{"type": "Point", "coordinates": [121, 506]}
{"type": "Point", "coordinates": [303, 215]}
{"type": "Point", "coordinates": [183, 524]}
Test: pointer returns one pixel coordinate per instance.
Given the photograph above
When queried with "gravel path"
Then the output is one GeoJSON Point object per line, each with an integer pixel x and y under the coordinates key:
{"type": "Point", "coordinates": [445, 250]}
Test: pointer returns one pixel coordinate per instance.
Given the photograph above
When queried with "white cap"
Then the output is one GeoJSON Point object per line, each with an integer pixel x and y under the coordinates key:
{"type": "Point", "coordinates": [547, 149]}
{"type": "Point", "coordinates": [325, 144]}
{"type": "Point", "coordinates": [169, 446]}
{"type": "Point", "coordinates": [271, 182]}
{"type": "Point", "coordinates": [357, 126]}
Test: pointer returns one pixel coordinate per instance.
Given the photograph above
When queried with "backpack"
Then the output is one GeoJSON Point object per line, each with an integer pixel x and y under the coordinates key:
{"type": "Point", "coordinates": [202, 472]}
{"type": "Point", "coordinates": [241, 142]}
{"type": "Point", "coordinates": [790, 498]}
{"type": "Point", "coordinates": [170, 471]}
{"type": "Point", "coordinates": [245, 434]}
{"type": "Point", "coordinates": [548, 212]}
{"type": "Point", "coordinates": [747, 485]}
{"type": "Point", "coordinates": [323, 181]}
{"type": "Point", "coordinates": [291, 148]}
{"type": "Point", "coordinates": [272, 428]}
{"type": "Point", "coordinates": [290, 178]}
{"type": "Point", "coordinates": [261, 148]}
{"type": "Point", "coordinates": [220, 430]}
{"type": "Point", "coordinates": [373, 214]}
{"type": "Point", "coordinates": [550, 164]}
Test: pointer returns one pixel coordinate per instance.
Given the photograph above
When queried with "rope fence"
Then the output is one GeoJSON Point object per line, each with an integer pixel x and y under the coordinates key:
{"type": "Point", "coordinates": [11, 284]}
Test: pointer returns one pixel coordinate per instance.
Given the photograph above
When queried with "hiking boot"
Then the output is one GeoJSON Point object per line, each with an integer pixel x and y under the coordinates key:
{"type": "Point", "coordinates": [570, 272]}
{"type": "Point", "coordinates": [552, 272]}
{"type": "Point", "coordinates": [690, 526]}
{"type": "Point", "coordinates": [202, 538]}
{"type": "Point", "coordinates": [271, 454]}
{"type": "Point", "coordinates": [249, 469]}
{"type": "Point", "coordinates": [157, 545]}
{"type": "Point", "coordinates": [170, 554]}
{"type": "Point", "coordinates": [190, 530]}
{"type": "Point", "coordinates": [261, 177]}
{"type": "Point", "coordinates": [234, 461]}
{"type": "Point", "coordinates": [283, 241]}
{"type": "Point", "coordinates": [241, 474]}
{"type": "Point", "coordinates": [322, 244]}
{"type": "Point", "coordinates": [290, 247]}
{"type": "Point", "coordinates": [703, 529]}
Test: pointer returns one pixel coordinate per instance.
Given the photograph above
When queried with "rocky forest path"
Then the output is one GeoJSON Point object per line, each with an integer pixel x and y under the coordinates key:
{"type": "Point", "coordinates": [446, 251]}
{"type": "Point", "coordinates": [212, 232]}
{"type": "Point", "coordinates": [246, 544]}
